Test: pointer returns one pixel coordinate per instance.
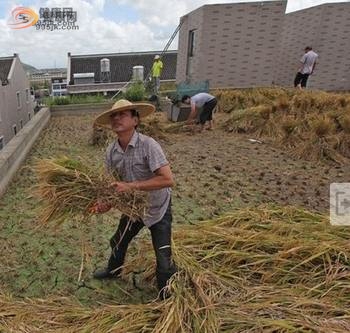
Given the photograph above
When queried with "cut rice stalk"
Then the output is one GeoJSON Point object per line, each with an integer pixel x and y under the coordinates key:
{"type": "Point", "coordinates": [68, 187]}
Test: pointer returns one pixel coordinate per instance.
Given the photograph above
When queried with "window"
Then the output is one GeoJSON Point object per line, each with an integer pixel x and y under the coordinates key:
{"type": "Point", "coordinates": [2, 98]}
{"type": "Point", "coordinates": [14, 129]}
{"type": "Point", "coordinates": [191, 43]}
{"type": "Point", "coordinates": [18, 96]}
{"type": "Point", "coordinates": [190, 51]}
{"type": "Point", "coordinates": [27, 95]}
{"type": "Point", "coordinates": [1, 142]}
{"type": "Point", "coordinates": [21, 123]}
{"type": "Point", "coordinates": [29, 115]}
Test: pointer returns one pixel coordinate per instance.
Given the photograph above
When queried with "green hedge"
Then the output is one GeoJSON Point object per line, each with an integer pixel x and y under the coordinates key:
{"type": "Point", "coordinates": [74, 99]}
{"type": "Point", "coordinates": [136, 92]}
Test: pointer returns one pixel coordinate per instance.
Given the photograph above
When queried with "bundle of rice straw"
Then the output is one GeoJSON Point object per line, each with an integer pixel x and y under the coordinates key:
{"type": "Point", "coordinates": [100, 136]}
{"type": "Point", "coordinates": [271, 245]}
{"type": "Point", "coordinates": [68, 187]}
{"type": "Point", "coordinates": [179, 127]}
{"type": "Point", "coordinates": [264, 269]}
{"type": "Point", "coordinates": [153, 127]}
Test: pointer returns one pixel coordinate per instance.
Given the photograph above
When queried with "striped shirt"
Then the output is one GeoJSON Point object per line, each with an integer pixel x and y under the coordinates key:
{"type": "Point", "coordinates": [142, 157]}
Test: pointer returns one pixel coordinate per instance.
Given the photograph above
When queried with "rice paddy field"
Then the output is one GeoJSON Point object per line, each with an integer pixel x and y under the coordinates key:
{"type": "Point", "coordinates": [252, 239]}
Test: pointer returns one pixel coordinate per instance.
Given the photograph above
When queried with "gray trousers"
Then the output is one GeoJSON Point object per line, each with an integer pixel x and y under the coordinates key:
{"type": "Point", "coordinates": [156, 84]}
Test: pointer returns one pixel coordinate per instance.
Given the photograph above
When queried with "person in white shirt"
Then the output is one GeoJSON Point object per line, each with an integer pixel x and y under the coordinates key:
{"type": "Point", "coordinates": [203, 101]}
{"type": "Point", "coordinates": [308, 61]}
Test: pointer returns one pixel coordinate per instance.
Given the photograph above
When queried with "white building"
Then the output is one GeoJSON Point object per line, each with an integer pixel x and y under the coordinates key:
{"type": "Point", "coordinates": [58, 87]}
{"type": "Point", "coordinates": [16, 104]}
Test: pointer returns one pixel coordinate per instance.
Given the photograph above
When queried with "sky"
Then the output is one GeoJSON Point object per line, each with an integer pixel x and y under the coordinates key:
{"type": "Point", "coordinates": [105, 26]}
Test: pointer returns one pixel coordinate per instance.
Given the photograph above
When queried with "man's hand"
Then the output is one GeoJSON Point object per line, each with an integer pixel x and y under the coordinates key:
{"type": "Point", "coordinates": [123, 186]}
{"type": "Point", "coordinates": [191, 117]}
{"type": "Point", "coordinates": [99, 208]}
{"type": "Point", "coordinates": [190, 122]}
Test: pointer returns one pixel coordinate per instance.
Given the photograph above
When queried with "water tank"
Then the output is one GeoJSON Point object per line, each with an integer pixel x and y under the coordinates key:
{"type": "Point", "coordinates": [105, 65]}
{"type": "Point", "coordinates": [137, 73]}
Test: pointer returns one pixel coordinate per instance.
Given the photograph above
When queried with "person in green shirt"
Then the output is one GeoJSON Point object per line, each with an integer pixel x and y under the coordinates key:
{"type": "Point", "coordinates": [156, 72]}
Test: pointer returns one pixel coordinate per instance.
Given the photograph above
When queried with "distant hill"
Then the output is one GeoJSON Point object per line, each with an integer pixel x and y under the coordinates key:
{"type": "Point", "coordinates": [29, 68]}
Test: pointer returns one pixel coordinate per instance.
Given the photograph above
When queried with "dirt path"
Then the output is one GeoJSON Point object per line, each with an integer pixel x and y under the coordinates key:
{"type": "Point", "coordinates": [217, 171]}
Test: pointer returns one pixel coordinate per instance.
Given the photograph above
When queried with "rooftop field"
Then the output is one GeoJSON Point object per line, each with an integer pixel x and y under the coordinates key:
{"type": "Point", "coordinates": [217, 172]}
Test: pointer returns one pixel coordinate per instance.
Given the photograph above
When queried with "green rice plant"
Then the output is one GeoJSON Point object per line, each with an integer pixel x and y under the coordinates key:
{"type": "Point", "coordinates": [74, 99]}
{"type": "Point", "coordinates": [135, 92]}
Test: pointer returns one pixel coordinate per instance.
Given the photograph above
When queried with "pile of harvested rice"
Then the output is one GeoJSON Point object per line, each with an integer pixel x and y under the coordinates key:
{"type": "Point", "coordinates": [179, 127]}
{"type": "Point", "coordinates": [312, 125]}
{"type": "Point", "coordinates": [232, 100]}
{"type": "Point", "coordinates": [100, 136]}
{"type": "Point", "coordinates": [269, 269]}
{"type": "Point", "coordinates": [151, 126]}
{"type": "Point", "coordinates": [69, 187]}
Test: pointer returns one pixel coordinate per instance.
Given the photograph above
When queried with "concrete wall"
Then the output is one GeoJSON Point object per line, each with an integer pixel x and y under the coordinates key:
{"type": "Point", "coordinates": [10, 113]}
{"type": "Point", "coordinates": [189, 67]}
{"type": "Point", "coordinates": [14, 153]}
{"type": "Point", "coordinates": [242, 45]}
{"type": "Point", "coordinates": [256, 44]}
{"type": "Point", "coordinates": [237, 46]}
{"type": "Point", "coordinates": [94, 87]}
{"type": "Point", "coordinates": [327, 29]}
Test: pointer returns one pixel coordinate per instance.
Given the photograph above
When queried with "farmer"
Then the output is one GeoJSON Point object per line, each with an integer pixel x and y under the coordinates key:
{"type": "Point", "coordinates": [308, 61]}
{"type": "Point", "coordinates": [202, 100]}
{"type": "Point", "coordinates": [156, 71]}
{"type": "Point", "coordinates": [141, 163]}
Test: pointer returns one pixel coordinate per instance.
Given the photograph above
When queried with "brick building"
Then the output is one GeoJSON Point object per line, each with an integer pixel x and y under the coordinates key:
{"type": "Point", "coordinates": [257, 44]}
{"type": "Point", "coordinates": [328, 27]}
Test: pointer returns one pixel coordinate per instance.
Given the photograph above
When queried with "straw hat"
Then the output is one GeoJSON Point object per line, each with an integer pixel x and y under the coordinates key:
{"type": "Point", "coordinates": [143, 109]}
